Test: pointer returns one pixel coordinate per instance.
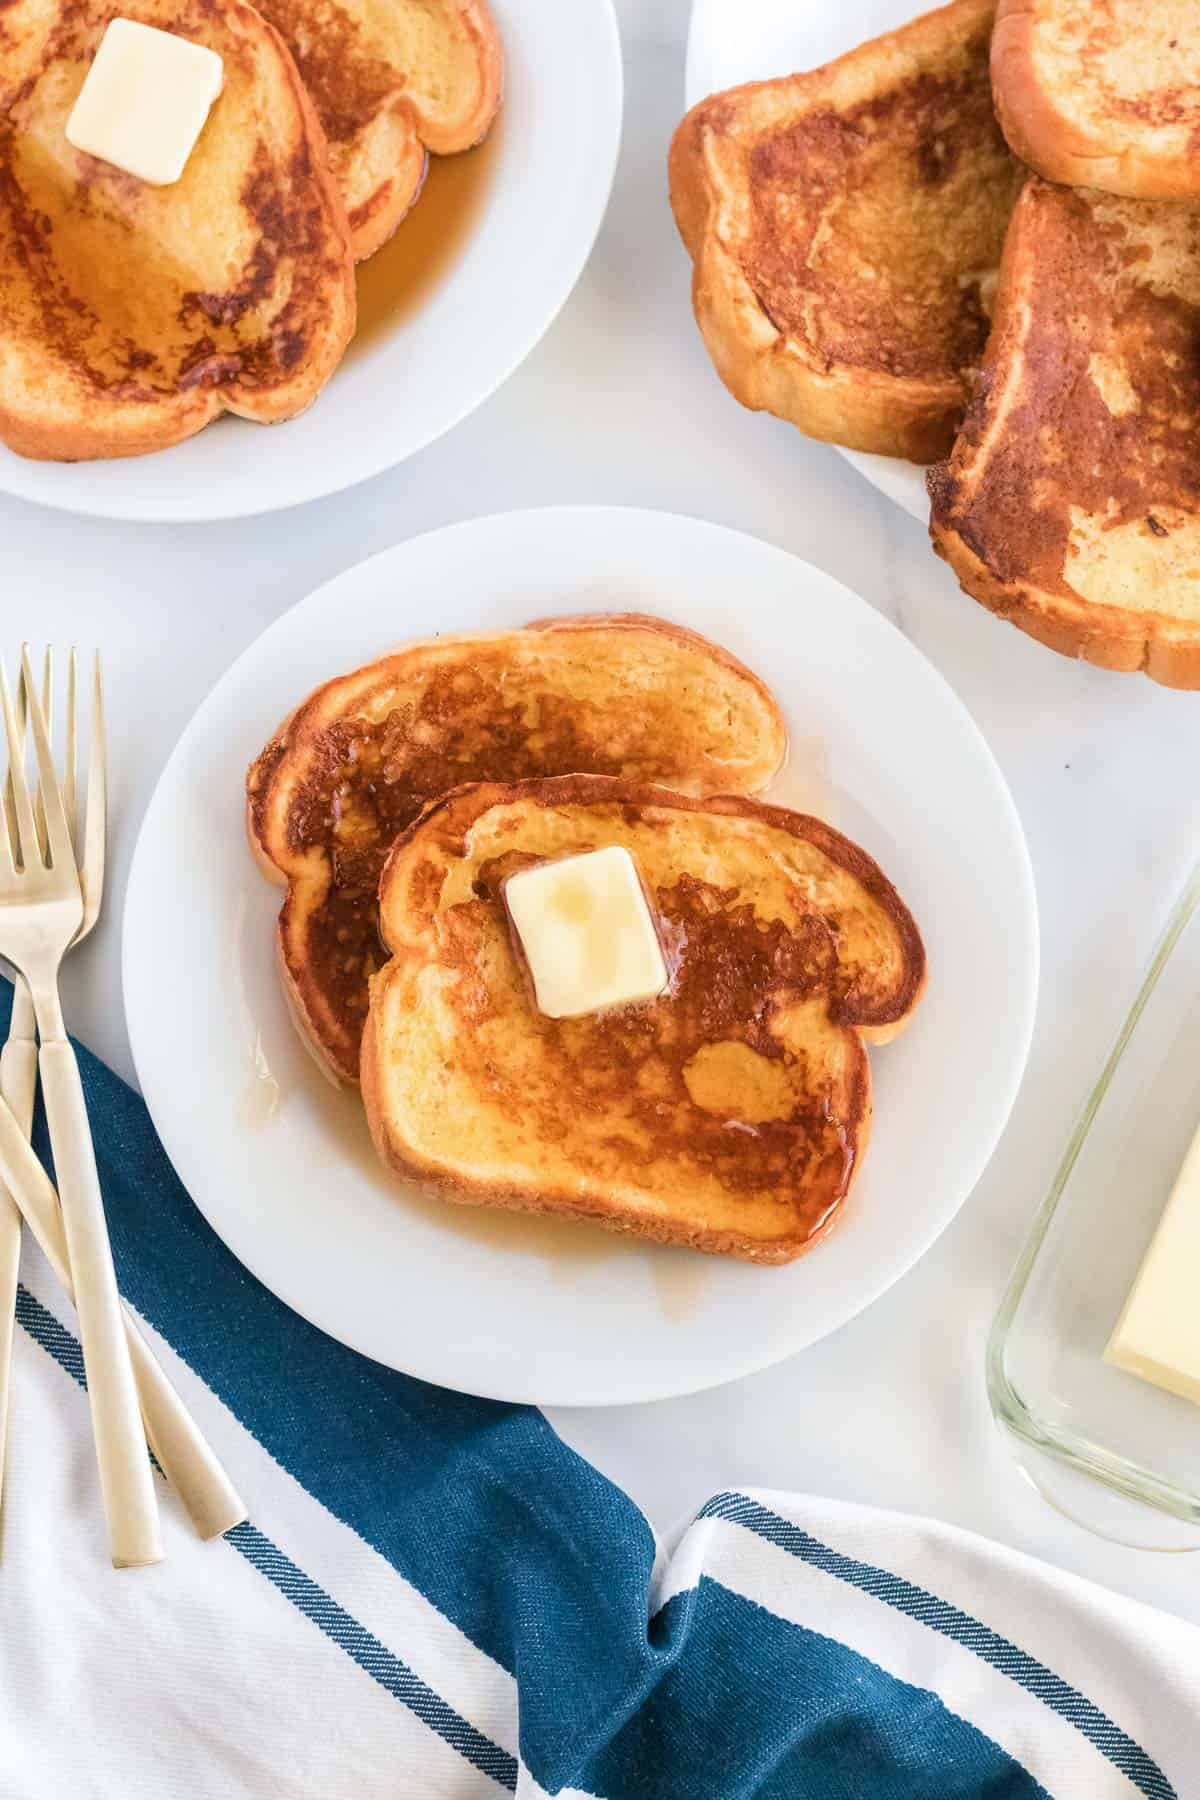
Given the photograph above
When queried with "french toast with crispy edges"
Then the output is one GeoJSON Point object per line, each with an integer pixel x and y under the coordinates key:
{"type": "Point", "coordinates": [1071, 503]}
{"type": "Point", "coordinates": [1102, 93]}
{"type": "Point", "coordinates": [729, 1114]}
{"type": "Point", "coordinates": [134, 315]}
{"type": "Point", "coordinates": [845, 227]}
{"type": "Point", "coordinates": [392, 84]}
{"type": "Point", "coordinates": [616, 694]}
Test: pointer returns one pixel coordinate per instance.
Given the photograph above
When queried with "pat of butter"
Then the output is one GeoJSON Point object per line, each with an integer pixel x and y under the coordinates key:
{"type": "Point", "coordinates": [587, 934]}
{"type": "Point", "coordinates": [144, 101]}
{"type": "Point", "coordinates": [1158, 1333]}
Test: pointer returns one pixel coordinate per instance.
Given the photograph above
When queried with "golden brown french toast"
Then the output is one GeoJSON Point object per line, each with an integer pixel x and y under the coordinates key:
{"type": "Point", "coordinates": [1071, 503]}
{"type": "Point", "coordinates": [391, 84]}
{"type": "Point", "coordinates": [133, 315]}
{"type": "Point", "coordinates": [618, 694]}
{"type": "Point", "coordinates": [845, 228]}
{"type": "Point", "coordinates": [1102, 93]}
{"type": "Point", "coordinates": [731, 1113]}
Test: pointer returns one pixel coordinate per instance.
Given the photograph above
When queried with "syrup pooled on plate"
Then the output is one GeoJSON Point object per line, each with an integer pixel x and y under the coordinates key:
{"type": "Point", "coordinates": [427, 244]}
{"type": "Point", "coordinates": [804, 783]}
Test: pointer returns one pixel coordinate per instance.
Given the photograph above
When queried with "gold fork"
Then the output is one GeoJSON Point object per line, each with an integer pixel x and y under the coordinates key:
{"type": "Point", "coordinates": [41, 910]}
{"type": "Point", "coordinates": [18, 1086]}
{"type": "Point", "coordinates": [185, 1458]}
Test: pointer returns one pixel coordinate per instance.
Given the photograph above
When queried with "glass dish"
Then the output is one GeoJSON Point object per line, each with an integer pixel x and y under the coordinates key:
{"type": "Point", "coordinates": [1069, 1412]}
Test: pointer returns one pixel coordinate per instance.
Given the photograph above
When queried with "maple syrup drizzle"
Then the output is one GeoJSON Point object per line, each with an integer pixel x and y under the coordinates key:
{"type": "Point", "coordinates": [427, 244]}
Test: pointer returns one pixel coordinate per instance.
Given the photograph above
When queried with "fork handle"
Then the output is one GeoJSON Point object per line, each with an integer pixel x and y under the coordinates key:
{"type": "Point", "coordinates": [18, 1059]}
{"type": "Point", "coordinates": [212, 1502]}
{"type": "Point", "coordinates": [18, 1084]}
{"type": "Point", "coordinates": [126, 1479]}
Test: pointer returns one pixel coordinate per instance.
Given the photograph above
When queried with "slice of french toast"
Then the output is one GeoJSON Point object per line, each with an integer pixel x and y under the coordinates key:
{"type": "Point", "coordinates": [134, 315]}
{"type": "Point", "coordinates": [618, 694]}
{"type": "Point", "coordinates": [732, 1112]}
{"type": "Point", "coordinates": [845, 228]}
{"type": "Point", "coordinates": [1102, 93]}
{"type": "Point", "coordinates": [1071, 503]}
{"type": "Point", "coordinates": [390, 84]}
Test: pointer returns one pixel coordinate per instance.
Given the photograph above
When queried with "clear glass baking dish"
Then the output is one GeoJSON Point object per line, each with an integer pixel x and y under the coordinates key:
{"type": "Point", "coordinates": [1071, 1415]}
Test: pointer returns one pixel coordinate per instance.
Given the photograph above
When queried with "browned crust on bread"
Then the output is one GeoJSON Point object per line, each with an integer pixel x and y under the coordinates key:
{"type": "Point", "coordinates": [91, 441]}
{"type": "Point", "coordinates": [860, 409]}
{"type": "Point", "coordinates": [453, 815]}
{"type": "Point", "coordinates": [299, 212]}
{"type": "Point", "coordinates": [374, 220]}
{"type": "Point", "coordinates": [381, 127]}
{"type": "Point", "coordinates": [262, 770]}
{"type": "Point", "coordinates": [464, 133]}
{"type": "Point", "coordinates": [563, 1202]}
{"type": "Point", "coordinates": [1099, 635]}
{"type": "Point", "coordinates": [267, 828]}
{"type": "Point", "coordinates": [1062, 147]}
{"type": "Point", "coordinates": [859, 394]}
{"type": "Point", "coordinates": [297, 991]}
{"type": "Point", "coordinates": [448, 823]}
{"type": "Point", "coordinates": [1039, 443]}
{"type": "Point", "coordinates": [679, 634]}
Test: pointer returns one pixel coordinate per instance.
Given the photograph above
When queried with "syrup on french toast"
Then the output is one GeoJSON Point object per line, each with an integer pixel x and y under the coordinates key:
{"type": "Point", "coordinates": [390, 85]}
{"type": "Point", "coordinates": [730, 1113]}
{"type": "Point", "coordinates": [617, 694]}
{"type": "Point", "coordinates": [134, 315]}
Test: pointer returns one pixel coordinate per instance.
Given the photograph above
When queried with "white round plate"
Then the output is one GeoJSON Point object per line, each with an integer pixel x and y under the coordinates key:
{"type": "Point", "coordinates": [543, 1310]}
{"type": "Point", "coordinates": [547, 184]}
{"type": "Point", "coordinates": [751, 40]}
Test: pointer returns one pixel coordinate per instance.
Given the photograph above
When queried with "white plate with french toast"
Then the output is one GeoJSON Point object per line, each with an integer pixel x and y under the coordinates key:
{"type": "Point", "coordinates": [847, 933]}
{"type": "Point", "coordinates": [956, 244]}
{"type": "Point", "coordinates": [381, 215]}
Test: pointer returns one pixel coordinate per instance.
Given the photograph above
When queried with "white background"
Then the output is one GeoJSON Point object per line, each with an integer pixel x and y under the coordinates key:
{"type": "Point", "coordinates": [619, 404]}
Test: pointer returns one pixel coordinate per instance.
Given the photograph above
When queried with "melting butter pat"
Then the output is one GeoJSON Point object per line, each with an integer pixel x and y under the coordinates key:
{"type": "Point", "coordinates": [144, 101]}
{"type": "Point", "coordinates": [586, 930]}
{"type": "Point", "coordinates": [1158, 1333]}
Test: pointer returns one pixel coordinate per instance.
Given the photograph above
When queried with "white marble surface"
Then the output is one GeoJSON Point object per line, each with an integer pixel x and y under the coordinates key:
{"type": "Point", "coordinates": [619, 404]}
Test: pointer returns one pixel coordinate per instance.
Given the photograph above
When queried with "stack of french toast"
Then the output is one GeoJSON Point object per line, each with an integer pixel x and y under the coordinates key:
{"type": "Point", "coordinates": [726, 1103]}
{"type": "Point", "coordinates": [139, 305]}
{"type": "Point", "coordinates": [975, 243]}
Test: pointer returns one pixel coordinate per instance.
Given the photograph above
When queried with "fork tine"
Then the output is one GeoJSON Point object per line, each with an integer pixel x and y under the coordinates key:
{"type": "Point", "coordinates": [70, 792]}
{"type": "Point", "coordinates": [11, 832]}
{"type": "Point", "coordinates": [61, 851]}
{"type": "Point", "coordinates": [39, 809]}
{"type": "Point", "coordinates": [23, 847]}
{"type": "Point", "coordinates": [95, 804]}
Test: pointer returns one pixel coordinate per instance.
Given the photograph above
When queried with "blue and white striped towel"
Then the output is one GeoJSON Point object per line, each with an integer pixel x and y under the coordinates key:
{"type": "Point", "coordinates": [435, 1596]}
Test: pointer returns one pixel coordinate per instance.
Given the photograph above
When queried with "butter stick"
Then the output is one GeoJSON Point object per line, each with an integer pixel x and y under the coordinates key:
{"type": "Point", "coordinates": [1158, 1333]}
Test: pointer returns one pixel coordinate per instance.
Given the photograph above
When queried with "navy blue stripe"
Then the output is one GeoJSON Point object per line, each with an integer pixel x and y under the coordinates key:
{"type": "Point", "coordinates": [366, 1650]}
{"type": "Point", "coordinates": [952, 1622]}
{"type": "Point", "coordinates": [319, 1607]}
{"type": "Point", "coordinates": [754, 1707]}
{"type": "Point", "coordinates": [45, 1330]}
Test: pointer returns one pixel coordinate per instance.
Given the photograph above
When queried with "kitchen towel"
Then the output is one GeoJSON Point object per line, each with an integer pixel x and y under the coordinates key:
{"type": "Point", "coordinates": [434, 1596]}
